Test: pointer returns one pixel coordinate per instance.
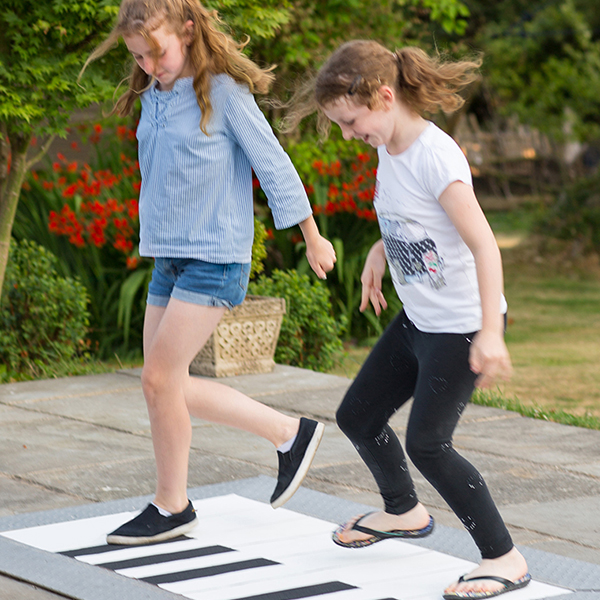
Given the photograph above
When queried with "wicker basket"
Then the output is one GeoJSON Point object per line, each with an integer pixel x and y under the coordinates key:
{"type": "Point", "coordinates": [244, 341]}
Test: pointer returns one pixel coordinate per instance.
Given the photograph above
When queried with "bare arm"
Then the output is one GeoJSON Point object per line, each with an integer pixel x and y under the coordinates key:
{"type": "Point", "coordinates": [371, 279]}
{"type": "Point", "coordinates": [319, 251]}
{"type": "Point", "coordinates": [489, 356]}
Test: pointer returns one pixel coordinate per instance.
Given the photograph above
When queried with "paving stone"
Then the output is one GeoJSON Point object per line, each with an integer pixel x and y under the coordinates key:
{"type": "Point", "coordinates": [18, 496]}
{"type": "Point", "coordinates": [86, 440]}
{"type": "Point", "coordinates": [11, 589]}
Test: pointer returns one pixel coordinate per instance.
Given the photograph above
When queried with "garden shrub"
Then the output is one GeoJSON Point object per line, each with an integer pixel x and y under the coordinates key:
{"type": "Point", "coordinates": [87, 216]}
{"type": "Point", "coordinates": [259, 250]}
{"type": "Point", "coordinates": [310, 334]}
{"type": "Point", "coordinates": [339, 178]}
{"type": "Point", "coordinates": [575, 215]}
{"type": "Point", "coordinates": [43, 316]}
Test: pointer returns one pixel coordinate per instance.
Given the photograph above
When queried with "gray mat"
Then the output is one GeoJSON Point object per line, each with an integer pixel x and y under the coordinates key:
{"type": "Point", "coordinates": [80, 581]}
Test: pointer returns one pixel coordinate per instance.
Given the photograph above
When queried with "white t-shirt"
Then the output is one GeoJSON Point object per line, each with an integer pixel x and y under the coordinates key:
{"type": "Point", "coordinates": [432, 268]}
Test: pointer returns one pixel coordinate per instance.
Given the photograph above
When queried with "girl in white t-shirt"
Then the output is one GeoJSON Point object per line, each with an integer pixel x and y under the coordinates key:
{"type": "Point", "coordinates": [446, 268]}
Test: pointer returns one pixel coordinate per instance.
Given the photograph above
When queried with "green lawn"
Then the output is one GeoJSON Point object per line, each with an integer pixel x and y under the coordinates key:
{"type": "Point", "coordinates": [554, 332]}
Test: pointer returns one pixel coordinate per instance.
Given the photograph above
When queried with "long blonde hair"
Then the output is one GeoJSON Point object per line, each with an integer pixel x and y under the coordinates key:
{"type": "Point", "coordinates": [211, 51]}
{"type": "Point", "coordinates": [357, 69]}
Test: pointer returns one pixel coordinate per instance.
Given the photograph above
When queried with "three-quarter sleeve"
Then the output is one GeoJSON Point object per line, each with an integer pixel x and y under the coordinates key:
{"type": "Point", "coordinates": [277, 175]}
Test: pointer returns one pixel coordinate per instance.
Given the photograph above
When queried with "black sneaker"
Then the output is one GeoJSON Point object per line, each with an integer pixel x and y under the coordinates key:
{"type": "Point", "coordinates": [150, 526]}
{"type": "Point", "coordinates": [294, 464]}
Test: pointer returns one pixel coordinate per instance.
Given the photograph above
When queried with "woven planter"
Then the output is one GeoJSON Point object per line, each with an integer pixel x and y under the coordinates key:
{"type": "Point", "coordinates": [244, 341]}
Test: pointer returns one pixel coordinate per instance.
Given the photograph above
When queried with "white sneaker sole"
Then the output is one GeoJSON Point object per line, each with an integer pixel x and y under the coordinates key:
{"type": "Point", "coordinates": [123, 540]}
{"type": "Point", "coordinates": [309, 455]}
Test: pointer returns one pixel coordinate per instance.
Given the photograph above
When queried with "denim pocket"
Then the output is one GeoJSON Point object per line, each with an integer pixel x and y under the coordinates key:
{"type": "Point", "coordinates": [244, 276]}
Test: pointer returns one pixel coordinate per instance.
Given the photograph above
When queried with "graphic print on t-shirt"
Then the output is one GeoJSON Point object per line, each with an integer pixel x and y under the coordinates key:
{"type": "Point", "coordinates": [411, 254]}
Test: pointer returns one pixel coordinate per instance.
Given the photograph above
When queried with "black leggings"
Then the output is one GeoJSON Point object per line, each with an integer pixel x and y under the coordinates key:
{"type": "Point", "coordinates": [433, 368]}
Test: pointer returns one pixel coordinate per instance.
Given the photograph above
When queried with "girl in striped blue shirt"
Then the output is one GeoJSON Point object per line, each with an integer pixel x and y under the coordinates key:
{"type": "Point", "coordinates": [200, 136]}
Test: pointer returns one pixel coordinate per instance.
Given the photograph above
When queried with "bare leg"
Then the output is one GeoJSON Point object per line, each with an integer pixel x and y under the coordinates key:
{"type": "Point", "coordinates": [172, 337]}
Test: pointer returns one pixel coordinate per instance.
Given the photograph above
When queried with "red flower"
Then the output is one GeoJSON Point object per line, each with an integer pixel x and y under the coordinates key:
{"type": "Point", "coordinates": [69, 192]}
{"type": "Point", "coordinates": [334, 168]}
{"type": "Point", "coordinates": [132, 208]}
{"type": "Point", "coordinates": [132, 262]}
{"type": "Point", "coordinates": [77, 240]}
{"type": "Point", "coordinates": [113, 205]}
{"type": "Point", "coordinates": [319, 166]}
{"type": "Point", "coordinates": [330, 208]}
{"type": "Point", "coordinates": [122, 244]}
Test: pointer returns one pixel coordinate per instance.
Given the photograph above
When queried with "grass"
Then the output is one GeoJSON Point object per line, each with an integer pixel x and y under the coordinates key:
{"type": "Point", "coordinates": [348, 362]}
{"type": "Point", "coordinates": [499, 400]}
{"type": "Point", "coordinates": [554, 327]}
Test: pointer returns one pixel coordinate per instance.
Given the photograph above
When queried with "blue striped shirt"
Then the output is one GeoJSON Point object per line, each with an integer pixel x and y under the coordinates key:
{"type": "Point", "coordinates": [196, 195]}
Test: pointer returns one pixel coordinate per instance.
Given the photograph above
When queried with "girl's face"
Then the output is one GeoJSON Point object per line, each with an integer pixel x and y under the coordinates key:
{"type": "Point", "coordinates": [358, 121]}
{"type": "Point", "coordinates": [173, 56]}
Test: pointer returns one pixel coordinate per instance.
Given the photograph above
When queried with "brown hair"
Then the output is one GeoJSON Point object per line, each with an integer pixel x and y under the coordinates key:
{"type": "Point", "coordinates": [211, 50]}
{"type": "Point", "coordinates": [357, 69]}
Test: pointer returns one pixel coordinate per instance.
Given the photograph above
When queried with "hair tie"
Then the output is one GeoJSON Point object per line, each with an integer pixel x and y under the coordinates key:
{"type": "Point", "coordinates": [354, 85]}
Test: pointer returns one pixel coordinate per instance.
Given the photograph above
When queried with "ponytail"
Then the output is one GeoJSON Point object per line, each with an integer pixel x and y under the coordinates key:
{"type": "Point", "coordinates": [428, 84]}
{"type": "Point", "coordinates": [357, 70]}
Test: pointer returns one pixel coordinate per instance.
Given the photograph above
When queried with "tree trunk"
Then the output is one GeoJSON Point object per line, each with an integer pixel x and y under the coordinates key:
{"type": "Point", "coordinates": [10, 190]}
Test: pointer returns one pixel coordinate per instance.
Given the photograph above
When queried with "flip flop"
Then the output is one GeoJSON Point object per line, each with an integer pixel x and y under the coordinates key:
{"type": "Point", "coordinates": [378, 536]}
{"type": "Point", "coordinates": [509, 586]}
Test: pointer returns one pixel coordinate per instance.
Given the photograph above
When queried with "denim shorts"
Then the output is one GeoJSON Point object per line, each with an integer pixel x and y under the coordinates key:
{"type": "Point", "coordinates": [198, 282]}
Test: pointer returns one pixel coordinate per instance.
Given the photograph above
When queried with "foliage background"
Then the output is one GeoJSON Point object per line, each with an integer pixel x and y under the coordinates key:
{"type": "Point", "coordinates": [43, 316]}
{"type": "Point", "coordinates": [541, 69]}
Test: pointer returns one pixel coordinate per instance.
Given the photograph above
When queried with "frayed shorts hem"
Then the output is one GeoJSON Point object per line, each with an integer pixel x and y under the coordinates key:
{"type": "Point", "coordinates": [187, 296]}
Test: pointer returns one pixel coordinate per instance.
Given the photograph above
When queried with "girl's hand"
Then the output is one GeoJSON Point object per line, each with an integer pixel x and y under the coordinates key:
{"type": "Point", "coordinates": [371, 279]}
{"type": "Point", "coordinates": [489, 358]}
{"type": "Point", "coordinates": [320, 255]}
